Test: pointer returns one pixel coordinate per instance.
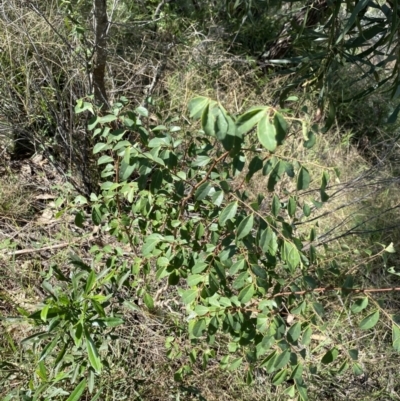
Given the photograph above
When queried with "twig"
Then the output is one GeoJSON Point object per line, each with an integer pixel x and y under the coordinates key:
{"type": "Point", "coordinates": [46, 248]}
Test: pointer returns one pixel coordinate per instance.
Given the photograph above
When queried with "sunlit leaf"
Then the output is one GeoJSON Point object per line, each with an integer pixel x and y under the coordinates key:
{"type": "Point", "coordinates": [370, 321]}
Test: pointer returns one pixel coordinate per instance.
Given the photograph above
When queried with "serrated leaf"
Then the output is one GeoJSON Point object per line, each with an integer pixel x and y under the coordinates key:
{"type": "Point", "coordinates": [227, 213]}
{"type": "Point", "coordinates": [266, 134]}
{"type": "Point", "coordinates": [246, 294]}
{"type": "Point", "coordinates": [370, 321]}
{"type": "Point", "coordinates": [245, 227]}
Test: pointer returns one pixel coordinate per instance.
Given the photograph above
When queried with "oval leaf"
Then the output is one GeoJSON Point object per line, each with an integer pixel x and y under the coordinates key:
{"type": "Point", "coordinates": [370, 321]}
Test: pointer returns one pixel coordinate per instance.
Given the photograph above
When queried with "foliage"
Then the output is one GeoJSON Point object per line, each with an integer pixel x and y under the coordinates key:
{"type": "Point", "coordinates": [241, 268]}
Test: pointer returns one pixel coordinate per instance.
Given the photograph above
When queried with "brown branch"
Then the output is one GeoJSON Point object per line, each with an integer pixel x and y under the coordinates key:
{"type": "Point", "coordinates": [46, 248]}
{"type": "Point", "coordinates": [184, 200]}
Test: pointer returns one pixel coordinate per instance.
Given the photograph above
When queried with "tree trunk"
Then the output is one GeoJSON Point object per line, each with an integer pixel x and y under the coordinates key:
{"type": "Point", "coordinates": [100, 56]}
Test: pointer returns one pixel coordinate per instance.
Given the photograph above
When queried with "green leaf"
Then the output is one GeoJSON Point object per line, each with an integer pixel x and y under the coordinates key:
{"type": "Point", "coordinates": [142, 111]}
{"type": "Point", "coordinates": [249, 119]}
{"type": "Point", "coordinates": [238, 266]}
{"type": "Point", "coordinates": [202, 191]}
{"type": "Point", "coordinates": [291, 255]}
{"type": "Point", "coordinates": [353, 354]}
{"type": "Point", "coordinates": [246, 294]}
{"type": "Point", "coordinates": [276, 175]}
{"type": "Point", "coordinates": [93, 355]}
{"type": "Point", "coordinates": [90, 282]}
{"type": "Point", "coordinates": [294, 332]}
{"type": "Point", "coordinates": [281, 128]}
{"type": "Point", "coordinates": [282, 360]}
{"type": "Point", "coordinates": [107, 118]}
{"type": "Point", "coordinates": [201, 310]}
{"type": "Point", "coordinates": [396, 336]}
{"type": "Point", "coordinates": [149, 246]}
{"type": "Point", "coordinates": [148, 300]}
{"type": "Point", "coordinates": [330, 356]}
{"type": "Point", "coordinates": [208, 120]}
{"type": "Point", "coordinates": [100, 146]}
{"type": "Point", "coordinates": [105, 159]}
{"type": "Point", "coordinates": [310, 142]}
{"type": "Point", "coordinates": [196, 106]}
{"type": "Point", "coordinates": [266, 134]}
{"type": "Point", "coordinates": [199, 267]}
{"type": "Point", "coordinates": [319, 309]}
{"type": "Point", "coordinates": [78, 391]}
{"type": "Point", "coordinates": [276, 206]}
{"type": "Point", "coordinates": [360, 5]}
{"type": "Point", "coordinates": [291, 207]}
{"type": "Point", "coordinates": [195, 279]}
{"type": "Point", "coordinates": [189, 296]}
{"type": "Point", "coordinates": [227, 213]}
{"type": "Point", "coordinates": [268, 241]}
{"type": "Point", "coordinates": [79, 219]}
{"type": "Point", "coordinates": [359, 305]}
{"type": "Point", "coordinates": [235, 364]}
{"type": "Point", "coordinates": [357, 369]}
{"type": "Point", "coordinates": [199, 328]}
{"type": "Point", "coordinates": [302, 390]}
{"type": "Point", "coordinates": [221, 125]}
{"type": "Point", "coordinates": [96, 215]}
{"type": "Point", "coordinates": [279, 378]}
{"type": "Point", "coordinates": [49, 347]}
{"type": "Point", "coordinates": [44, 312]}
{"type": "Point", "coordinates": [370, 321]}
{"type": "Point", "coordinates": [303, 179]}
{"type": "Point", "coordinates": [245, 227]}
